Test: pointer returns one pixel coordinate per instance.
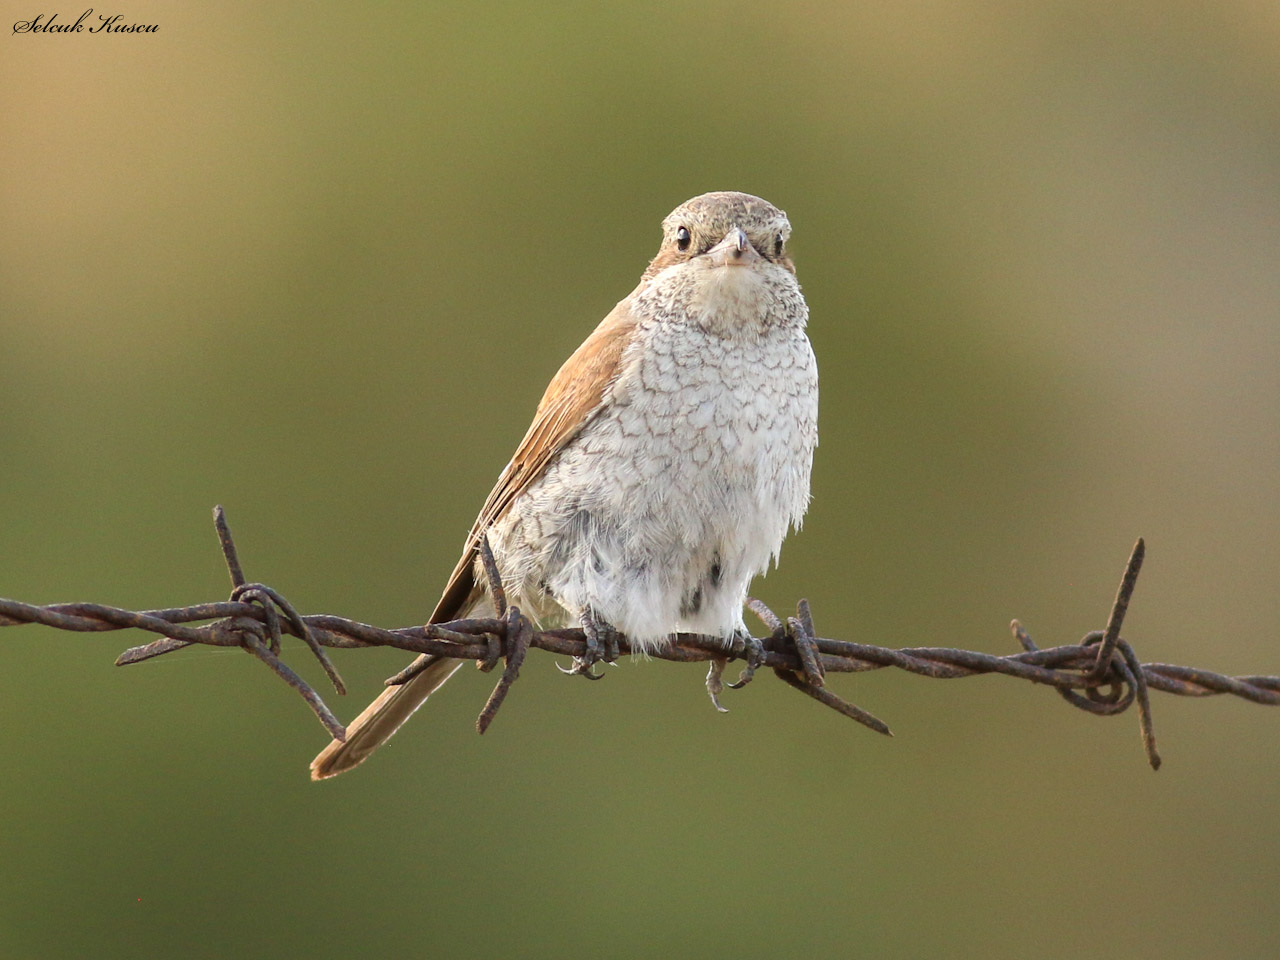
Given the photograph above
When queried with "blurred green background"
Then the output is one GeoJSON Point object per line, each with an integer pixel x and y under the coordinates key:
{"type": "Point", "coordinates": [316, 262]}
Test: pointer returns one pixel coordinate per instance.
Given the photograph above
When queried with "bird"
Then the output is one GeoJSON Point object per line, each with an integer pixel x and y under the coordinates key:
{"type": "Point", "coordinates": [666, 462]}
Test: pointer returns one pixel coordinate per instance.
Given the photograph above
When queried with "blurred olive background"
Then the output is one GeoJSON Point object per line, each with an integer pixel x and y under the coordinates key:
{"type": "Point", "coordinates": [316, 262]}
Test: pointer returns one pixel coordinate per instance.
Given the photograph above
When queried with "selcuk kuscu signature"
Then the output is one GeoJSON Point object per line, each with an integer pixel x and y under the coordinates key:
{"type": "Point", "coordinates": [105, 24]}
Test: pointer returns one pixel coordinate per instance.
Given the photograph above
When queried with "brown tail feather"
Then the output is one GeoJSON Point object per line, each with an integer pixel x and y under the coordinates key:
{"type": "Point", "coordinates": [382, 718]}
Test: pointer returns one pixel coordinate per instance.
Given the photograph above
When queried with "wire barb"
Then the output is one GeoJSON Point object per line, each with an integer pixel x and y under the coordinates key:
{"type": "Point", "coordinates": [228, 547]}
{"type": "Point", "coordinates": [1118, 609]}
{"type": "Point", "coordinates": [1101, 674]}
{"type": "Point", "coordinates": [518, 635]}
{"type": "Point", "coordinates": [496, 590]}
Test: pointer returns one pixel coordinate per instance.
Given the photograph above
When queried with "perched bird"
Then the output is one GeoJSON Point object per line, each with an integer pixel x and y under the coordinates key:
{"type": "Point", "coordinates": [665, 463]}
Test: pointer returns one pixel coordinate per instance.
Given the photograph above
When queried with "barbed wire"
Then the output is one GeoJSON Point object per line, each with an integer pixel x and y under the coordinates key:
{"type": "Point", "coordinates": [1101, 674]}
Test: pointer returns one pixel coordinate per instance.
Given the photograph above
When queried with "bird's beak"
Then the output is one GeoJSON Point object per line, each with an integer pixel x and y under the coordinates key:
{"type": "Point", "coordinates": [735, 250]}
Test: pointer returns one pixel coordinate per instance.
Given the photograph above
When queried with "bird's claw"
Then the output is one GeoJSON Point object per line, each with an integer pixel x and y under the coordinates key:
{"type": "Point", "coordinates": [602, 647]}
{"type": "Point", "coordinates": [581, 668]}
{"type": "Point", "coordinates": [753, 650]}
{"type": "Point", "coordinates": [715, 683]}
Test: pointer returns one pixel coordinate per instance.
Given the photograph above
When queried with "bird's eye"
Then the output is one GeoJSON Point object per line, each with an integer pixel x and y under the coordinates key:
{"type": "Point", "coordinates": [683, 239]}
{"type": "Point", "coordinates": [777, 246]}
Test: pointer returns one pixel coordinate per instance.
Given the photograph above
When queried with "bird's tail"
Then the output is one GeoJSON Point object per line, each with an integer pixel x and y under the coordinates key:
{"type": "Point", "coordinates": [382, 718]}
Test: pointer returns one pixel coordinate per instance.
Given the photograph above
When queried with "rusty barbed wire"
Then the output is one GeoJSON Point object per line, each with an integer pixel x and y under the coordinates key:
{"type": "Point", "coordinates": [1101, 674]}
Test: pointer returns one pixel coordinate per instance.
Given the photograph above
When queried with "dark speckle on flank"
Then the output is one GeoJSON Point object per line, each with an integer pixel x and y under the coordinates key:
{"type": "Point", "coordinates": [691, 605]}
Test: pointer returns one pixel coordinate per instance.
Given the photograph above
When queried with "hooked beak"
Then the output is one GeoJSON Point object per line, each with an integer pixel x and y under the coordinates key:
{"type": "Point", "coordinates": [735, 250]}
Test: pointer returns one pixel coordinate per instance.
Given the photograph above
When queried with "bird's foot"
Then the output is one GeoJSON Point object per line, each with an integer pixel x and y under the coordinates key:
{"type": "Point", "coordinates": [602, 646]}
{"type": "Point", "coordinates": [753, 651]}
{"type": "Point", "coordinates": [715, 683]}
